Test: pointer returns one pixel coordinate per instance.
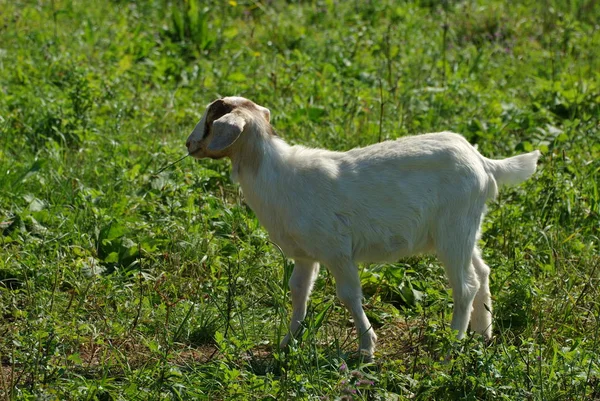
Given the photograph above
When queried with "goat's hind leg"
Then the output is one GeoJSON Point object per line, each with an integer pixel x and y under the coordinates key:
{"type": "Point", "coordinates": [301, 282]}
{"type": "Point", "coordinates": [455, 253]}
{"type": "Point", "coordinates": [481, 317]}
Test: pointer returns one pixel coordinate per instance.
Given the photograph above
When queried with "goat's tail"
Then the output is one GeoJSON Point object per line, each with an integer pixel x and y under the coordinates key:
{"type": "Point", "coordinates": [514, 170]}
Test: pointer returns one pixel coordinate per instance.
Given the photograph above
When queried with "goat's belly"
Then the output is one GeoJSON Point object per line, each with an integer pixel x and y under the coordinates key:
{"type": "Point", "coordinates": [289, 246]}
{"type": "Point", "coordinates": [390, 250]}
{"type": "Point", "coordinates": [376, 254]}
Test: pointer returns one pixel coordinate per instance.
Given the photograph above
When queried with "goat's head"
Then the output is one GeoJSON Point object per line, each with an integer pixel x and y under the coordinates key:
{"type": "Point", "coordinates": [222, 125]}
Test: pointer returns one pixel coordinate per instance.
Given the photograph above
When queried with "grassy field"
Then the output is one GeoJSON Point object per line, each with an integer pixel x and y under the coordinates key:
{"type": "Point", "coordinates": [121, 283]}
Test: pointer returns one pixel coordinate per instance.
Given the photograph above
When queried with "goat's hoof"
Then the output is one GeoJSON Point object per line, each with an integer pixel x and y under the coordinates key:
{"type": "Point", "coordinates": [362, 356]}
{"type": "Point", "coordinates": [289, 339]}
{"type": "Point", "coordinates": [284, 343]}
{"type": "Point", "coordinates": [366, 357]}
{"type": "Point", "coordinates": [489, 340]}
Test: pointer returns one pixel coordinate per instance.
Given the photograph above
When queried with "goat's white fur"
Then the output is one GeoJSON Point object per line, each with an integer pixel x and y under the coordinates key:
{"type": "Point", "coordinates": [417, 194]}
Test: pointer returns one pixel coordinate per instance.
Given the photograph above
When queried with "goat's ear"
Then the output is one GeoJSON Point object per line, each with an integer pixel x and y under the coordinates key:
{"type": "Point", "coordinates": [225, 131]}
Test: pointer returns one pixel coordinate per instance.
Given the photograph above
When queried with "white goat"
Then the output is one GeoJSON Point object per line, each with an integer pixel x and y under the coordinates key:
{"type": "Point", "coordinates": [417, 194]}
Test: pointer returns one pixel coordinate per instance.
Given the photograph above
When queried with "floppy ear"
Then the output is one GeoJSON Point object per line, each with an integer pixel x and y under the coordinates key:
{"type": "Point", "coordinates": [225, 131]}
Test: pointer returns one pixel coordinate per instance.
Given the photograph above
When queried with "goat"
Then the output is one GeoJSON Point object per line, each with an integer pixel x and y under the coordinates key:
{"type": "Point", "coordinates": [418, 194]}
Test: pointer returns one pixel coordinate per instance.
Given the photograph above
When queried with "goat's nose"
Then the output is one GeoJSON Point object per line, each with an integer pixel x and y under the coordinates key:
{"type": "Point", "coordinates": [188, 143]}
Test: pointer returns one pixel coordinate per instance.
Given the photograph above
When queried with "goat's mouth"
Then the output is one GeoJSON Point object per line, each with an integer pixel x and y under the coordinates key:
{"type": "Point", "coordinates": [195, 153]}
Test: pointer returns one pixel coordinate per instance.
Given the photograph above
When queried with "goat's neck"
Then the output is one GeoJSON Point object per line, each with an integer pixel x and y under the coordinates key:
{"type": "Point", "coordinates": [258, 158]}
{"type": "Point", "coordinates": [258, 167]}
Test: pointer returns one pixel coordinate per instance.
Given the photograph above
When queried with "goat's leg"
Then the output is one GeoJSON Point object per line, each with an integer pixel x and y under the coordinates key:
{"type": "Point", "coordinates": [464, 288]}
{"type": "Point", "coordinates": [349, 292]}
{"type": "Point", "coordinates": [301, 283]}
{"type": "Point", "coordinates": [481, 317]}
{"type": "Point", "coordinates": [455, 253]}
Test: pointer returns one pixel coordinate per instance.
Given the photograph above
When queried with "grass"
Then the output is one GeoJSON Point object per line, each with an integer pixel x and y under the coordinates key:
{"type": "Point", "coordinates": [120, 281]}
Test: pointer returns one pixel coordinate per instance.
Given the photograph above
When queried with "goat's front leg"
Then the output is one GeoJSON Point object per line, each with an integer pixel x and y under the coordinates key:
{"type": "Point", "coordinates": [301, 283]}
{"type": "Point", "coordinates": [349, 292]}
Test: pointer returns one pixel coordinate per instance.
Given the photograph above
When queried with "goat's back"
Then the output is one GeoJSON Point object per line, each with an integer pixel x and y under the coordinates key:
{"type": "Point", "coordinates": [383, 201]}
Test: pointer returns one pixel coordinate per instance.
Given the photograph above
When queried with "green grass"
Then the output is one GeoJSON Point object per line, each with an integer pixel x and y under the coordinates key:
{"type": "Point", "coordinates": [117, 283]}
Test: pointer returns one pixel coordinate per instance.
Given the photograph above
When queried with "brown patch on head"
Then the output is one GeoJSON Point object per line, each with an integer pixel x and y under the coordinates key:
{"type": "Point", "coordinates": [248, 104]}
{"type": "Point", "coordinates": [216, 110]}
